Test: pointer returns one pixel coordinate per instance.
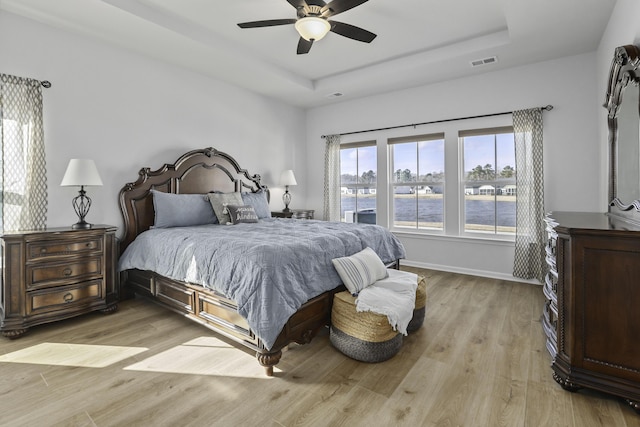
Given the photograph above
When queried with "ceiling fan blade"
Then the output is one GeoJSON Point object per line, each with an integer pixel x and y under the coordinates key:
{"type": "Point", "coordinates": [304, 46]}
{"type": "Point", "coordinates": [352, 32]}
{"type": "Point", "coordinates": [298, 4]}
{"type": "Point", "coordinates": [339, 6]}
{"type": "Point", "coordinates": [268, 23]}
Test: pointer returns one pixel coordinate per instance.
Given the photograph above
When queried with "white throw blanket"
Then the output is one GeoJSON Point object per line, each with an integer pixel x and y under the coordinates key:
{"type": "Point", "coordinates": [394, 297]}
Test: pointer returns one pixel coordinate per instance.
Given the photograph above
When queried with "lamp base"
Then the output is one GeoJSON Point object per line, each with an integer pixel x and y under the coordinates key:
{"type": "Point", "coordinates": [81, 225]}
{"type": "Point", "coordinates": [286, 198]}
{"type": "Point", "coordinates": [81, 204]}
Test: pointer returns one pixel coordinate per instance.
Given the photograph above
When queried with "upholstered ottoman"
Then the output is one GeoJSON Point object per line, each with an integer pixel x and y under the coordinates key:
{"type": "Point", "coordinates": [363, 336]}
{"type": "Point", "coordinates": [421, 302]}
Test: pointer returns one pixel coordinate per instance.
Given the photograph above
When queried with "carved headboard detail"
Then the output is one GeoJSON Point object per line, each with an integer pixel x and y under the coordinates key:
{"type": "Point", "coordinates": [196, 172]}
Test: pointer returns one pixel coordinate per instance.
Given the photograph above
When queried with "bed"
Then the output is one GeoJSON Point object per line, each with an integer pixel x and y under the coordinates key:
{"type": "Point", "coordinates": [223, 276]}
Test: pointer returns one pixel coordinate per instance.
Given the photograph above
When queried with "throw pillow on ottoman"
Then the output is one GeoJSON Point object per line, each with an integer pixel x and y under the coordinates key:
{"type": "Point", "coordinates": [363, 336]}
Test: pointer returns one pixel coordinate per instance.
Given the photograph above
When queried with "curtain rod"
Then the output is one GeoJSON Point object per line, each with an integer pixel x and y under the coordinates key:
{"type": "Point", "coordinates": [547, 108]}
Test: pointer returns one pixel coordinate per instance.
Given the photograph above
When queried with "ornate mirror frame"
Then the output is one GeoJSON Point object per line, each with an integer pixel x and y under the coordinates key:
{"type": "Point", "coordinates": [623, 76]}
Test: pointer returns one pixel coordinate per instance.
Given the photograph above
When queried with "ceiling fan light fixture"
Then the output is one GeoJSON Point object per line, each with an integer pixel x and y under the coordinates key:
{"type": "Point", "coordinates": [312, 28]}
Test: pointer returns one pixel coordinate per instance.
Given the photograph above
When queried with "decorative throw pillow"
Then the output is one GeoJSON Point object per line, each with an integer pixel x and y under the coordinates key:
{"type": "Point", "coordinates": [360, 270]}
{"type": "Point", "coordinates": [181, 210]}
{"type": "Point", "coordinates": [218, 200]}
{"type": "Point", "coordinates": [259, 202]}
{"type": "Point", "coordinates": [243, 213]}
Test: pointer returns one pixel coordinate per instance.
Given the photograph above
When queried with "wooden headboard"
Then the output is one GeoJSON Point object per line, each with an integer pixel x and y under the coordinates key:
{"type": "Point", "coordinates": [196, 172]}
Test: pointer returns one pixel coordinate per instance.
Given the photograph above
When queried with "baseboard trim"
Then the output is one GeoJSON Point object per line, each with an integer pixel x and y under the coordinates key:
{"type": "Point", "coordinates": [469, 271]}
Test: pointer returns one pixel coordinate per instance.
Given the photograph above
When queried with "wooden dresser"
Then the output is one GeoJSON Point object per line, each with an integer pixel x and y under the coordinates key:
{"type": "Point", "coordinates": [592, 315]}
{"type": "Point", "coordinates": [56, 274]}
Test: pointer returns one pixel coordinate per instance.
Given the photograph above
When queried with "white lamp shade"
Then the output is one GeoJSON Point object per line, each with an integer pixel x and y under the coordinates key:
{"type": "Point", "coordinates": [312, 27]}
{"type": "Point", "coordinates": [81, 172]}
{"type": "Point", "coordinates": [288, 178]}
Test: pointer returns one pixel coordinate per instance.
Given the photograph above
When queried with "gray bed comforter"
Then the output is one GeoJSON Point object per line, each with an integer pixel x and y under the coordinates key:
{"type": "Point", "coordinates": [268, 268]}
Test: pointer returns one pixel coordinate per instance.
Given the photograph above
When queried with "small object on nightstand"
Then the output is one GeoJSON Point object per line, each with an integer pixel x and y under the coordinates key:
{"type": "Point", "coordinates": [287, 178]}
{"type": "Point", "coordinates": [81, 172]}
{"type": "Point", "coordinates": [55, 274]}
{"type": "Point", "coordinates": [294, 213]}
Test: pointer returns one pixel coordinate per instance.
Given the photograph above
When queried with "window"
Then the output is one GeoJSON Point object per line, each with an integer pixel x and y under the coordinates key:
{"type": "Point", "coordinates": [358, 182]}
{"type": "Point", "coordinates": [489, 181]}
{"type": "Point", "coordinates": [417, 181]}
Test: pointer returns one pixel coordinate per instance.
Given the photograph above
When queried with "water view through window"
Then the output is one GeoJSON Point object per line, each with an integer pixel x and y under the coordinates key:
{"type": "Point", "coordinates": [489, 180]}
{"type": "Point", "coordinates": [486, 187]}
{"type": "Point", "coordinates": [358, 182]}
{"type": "Point", "coordinates": [417, 177]}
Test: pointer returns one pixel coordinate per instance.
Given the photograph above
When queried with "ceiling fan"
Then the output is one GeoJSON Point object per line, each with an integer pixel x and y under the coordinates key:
{"type": "Point", "coordinates": [313, 24]}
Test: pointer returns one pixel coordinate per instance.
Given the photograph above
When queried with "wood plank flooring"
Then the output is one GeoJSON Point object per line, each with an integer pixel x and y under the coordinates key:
{"type": "Point", "coordinates": [478, 360]}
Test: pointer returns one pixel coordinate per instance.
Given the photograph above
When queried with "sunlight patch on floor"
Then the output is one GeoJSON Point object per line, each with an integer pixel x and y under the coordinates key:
{"type": "Point", "coordinates": [203, 356]}
{"type": "Point", "coordinates": [64, 354]}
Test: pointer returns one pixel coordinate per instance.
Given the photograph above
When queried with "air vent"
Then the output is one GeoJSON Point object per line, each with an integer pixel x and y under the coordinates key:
{"type": "Point", "coordinates": [484, 61]}
{"type": "Point", "coordinates": [335, 95]}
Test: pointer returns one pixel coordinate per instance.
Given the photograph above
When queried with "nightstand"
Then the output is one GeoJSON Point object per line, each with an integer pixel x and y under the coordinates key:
{"type": "Point", "coordinates": [57, 273]}
{"type": "Point", "coordinates": [294, 213]}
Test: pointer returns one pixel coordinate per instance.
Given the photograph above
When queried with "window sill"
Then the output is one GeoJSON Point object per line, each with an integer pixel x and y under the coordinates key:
{"type": "Point", "coordinates": [449, 238]}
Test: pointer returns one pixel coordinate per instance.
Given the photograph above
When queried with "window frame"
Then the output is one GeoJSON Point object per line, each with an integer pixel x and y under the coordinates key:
{"type": "Point", "coordinates": [463, 182]}
{"type": "Point", "coordinates": [351, 145]}
{"type": "Point", "coordinates": [435, 136]}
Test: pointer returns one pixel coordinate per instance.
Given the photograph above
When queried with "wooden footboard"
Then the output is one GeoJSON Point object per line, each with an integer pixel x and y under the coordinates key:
{"type": "Point", "coordinates": [220, 314]}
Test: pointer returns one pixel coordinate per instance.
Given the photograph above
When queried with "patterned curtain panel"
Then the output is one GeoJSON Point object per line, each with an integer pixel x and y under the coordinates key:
{"type": "Point", "coordinates": [332, 178]}
{"type": "Point", "coordinates": [529, 262]}
{"type": "Point", "coordinates": [23, 189]}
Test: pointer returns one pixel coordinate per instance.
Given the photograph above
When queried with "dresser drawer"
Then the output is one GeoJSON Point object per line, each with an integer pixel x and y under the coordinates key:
{"type": "Point", "coordinates": [65, 297]}
{"type": "Point", "coordinates": [41, 275]}
{"type": "Point", "coordinates": [53, 248]}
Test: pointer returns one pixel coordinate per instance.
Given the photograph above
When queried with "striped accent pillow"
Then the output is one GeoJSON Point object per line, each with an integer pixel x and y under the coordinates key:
{"type": "Point", "coordinates": [360, 270]}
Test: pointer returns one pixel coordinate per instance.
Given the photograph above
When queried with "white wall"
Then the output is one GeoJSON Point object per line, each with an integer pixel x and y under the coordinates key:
{"type": "Point", "coordinates": [126, 111]}
{"type": "Point", "coordinates": [572, 147]}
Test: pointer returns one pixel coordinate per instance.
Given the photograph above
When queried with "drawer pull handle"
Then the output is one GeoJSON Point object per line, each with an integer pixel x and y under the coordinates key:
{"type": "Point", "coordinates": [68, 297]}
{"type": "Point", "coordinates": [67, 272]}
{"type": "Point", "coordinates": [43, 250]}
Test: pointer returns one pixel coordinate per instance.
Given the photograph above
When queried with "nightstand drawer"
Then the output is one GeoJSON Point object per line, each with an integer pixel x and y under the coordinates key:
{"type": "Point", "coordinates": [65, 297]}
{"type": "Point", "coordinates": [302, 214]}
{"type": "Point", "coordinates": [43, 248]}
{"type": "Point", "coordinates": [294, 213]}
{"type": "Point", "coordinates": [49, 274]}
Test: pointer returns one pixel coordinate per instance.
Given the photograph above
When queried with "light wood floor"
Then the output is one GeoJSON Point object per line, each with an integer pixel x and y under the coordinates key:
{"type": "Point", "coordinates": [479, 360]}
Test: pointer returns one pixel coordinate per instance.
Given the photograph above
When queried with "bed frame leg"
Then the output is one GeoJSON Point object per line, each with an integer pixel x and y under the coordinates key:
{"type": "Point", "coordinates": [269, 360]}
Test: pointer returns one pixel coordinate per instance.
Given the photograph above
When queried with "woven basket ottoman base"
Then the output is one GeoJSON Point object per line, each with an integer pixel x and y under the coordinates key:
{"type": "Point", "coordinates": [420, 308]}
{"type": "Point", "coordinates": [364, 351]}
{"type": "Point", "coordinates": [363, 336]}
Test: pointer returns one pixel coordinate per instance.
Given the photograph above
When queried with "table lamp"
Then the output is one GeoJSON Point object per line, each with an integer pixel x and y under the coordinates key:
{"type": "Point", "coordinates": [81, 173]}
{"type": "Point", "coordinates": [287, 178]}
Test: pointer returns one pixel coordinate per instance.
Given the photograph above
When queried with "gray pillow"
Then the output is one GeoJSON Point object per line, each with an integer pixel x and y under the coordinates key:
{"type": "Point", "coordinates": [218, 200]}
{"type": "Point", "coordinates": [181, 210]}
{"type": "Point", "coordinates": [259, 202]}
{"type": "Point", "coordinates": [242, 214]}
